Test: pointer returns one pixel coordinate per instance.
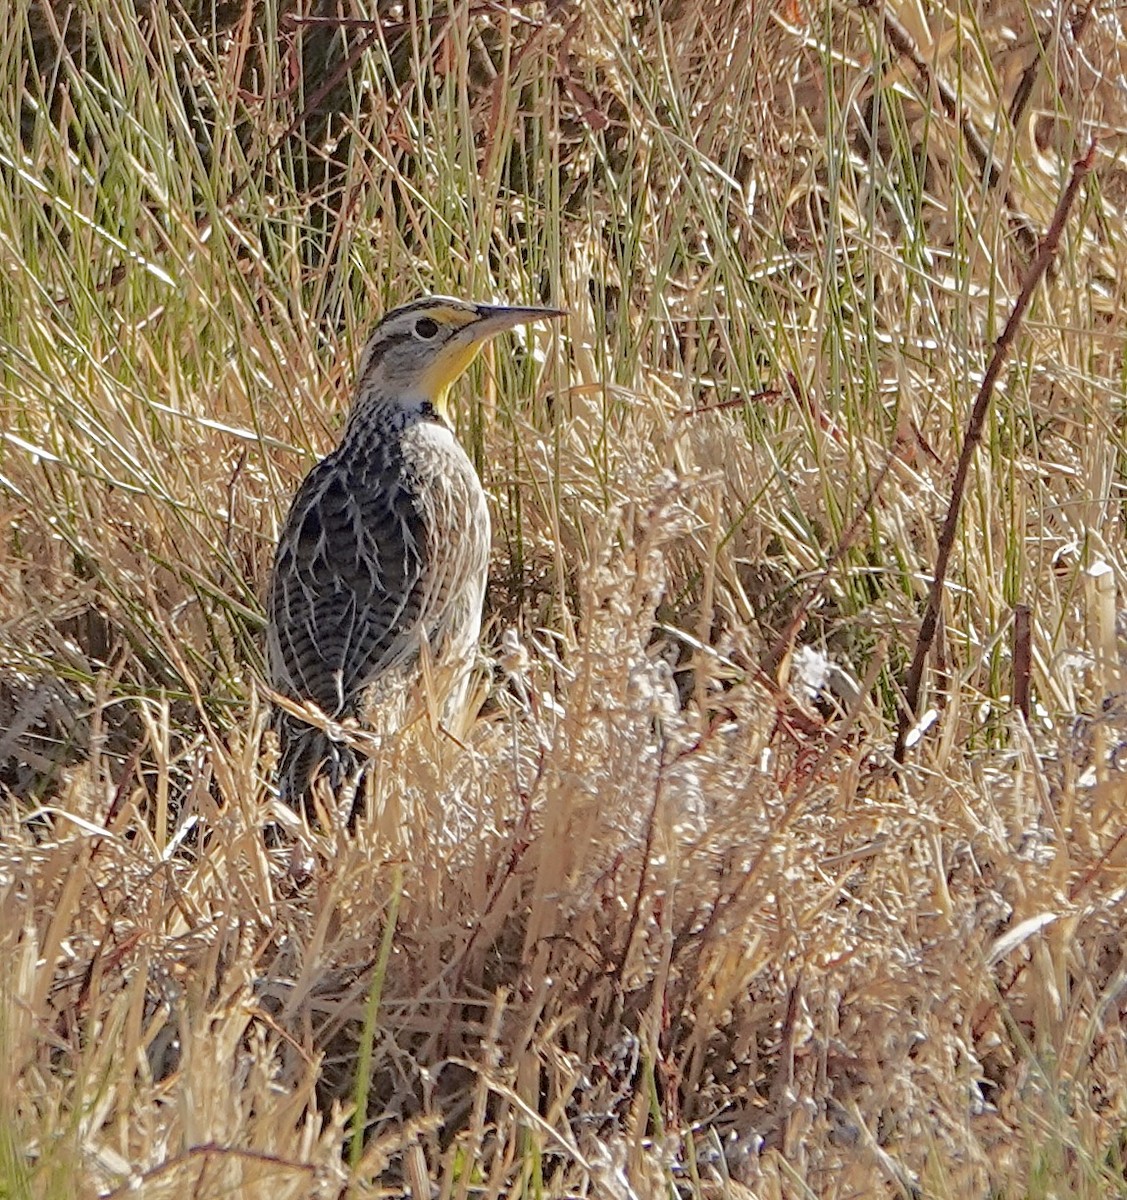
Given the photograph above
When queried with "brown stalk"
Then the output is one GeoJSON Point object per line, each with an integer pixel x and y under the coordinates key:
{"type": "Point", "coordinates": [1023, 93]}
{"type": "Point", "coordinates": [975, 425]}
{"type": "Point", "coordinates": [1023, 658]}
{"type": "Point", "coordinates": [904, 45]}
{"type": "Point", "coordinates": [769, 663]}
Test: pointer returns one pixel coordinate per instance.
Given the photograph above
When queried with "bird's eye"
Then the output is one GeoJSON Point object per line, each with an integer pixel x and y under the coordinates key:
{"type": "Point", "coordinates": [425, 327]}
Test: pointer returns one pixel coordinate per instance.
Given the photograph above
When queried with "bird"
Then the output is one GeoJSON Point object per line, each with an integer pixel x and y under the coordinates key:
{"type": "Point", "coordinates": [380, 570]}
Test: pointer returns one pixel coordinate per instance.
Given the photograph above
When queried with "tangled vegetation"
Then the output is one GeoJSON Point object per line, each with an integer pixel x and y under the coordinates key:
{"type": "Point", "coordinates": [671, 920]}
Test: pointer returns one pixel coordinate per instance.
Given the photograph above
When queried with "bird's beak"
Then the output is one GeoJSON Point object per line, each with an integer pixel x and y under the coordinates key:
{"type": "Point", "coordinates": [461, 350]}
{"type": "Point", "coordinates": [496, 318]}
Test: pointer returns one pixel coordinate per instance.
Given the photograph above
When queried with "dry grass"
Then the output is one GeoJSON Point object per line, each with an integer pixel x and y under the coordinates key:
{"type": "Point", "coordinates": [663, 925]}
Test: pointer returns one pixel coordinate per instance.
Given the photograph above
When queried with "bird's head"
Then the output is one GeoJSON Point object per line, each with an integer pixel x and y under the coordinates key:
{"type": "Point", "coordinates": [418, 351]}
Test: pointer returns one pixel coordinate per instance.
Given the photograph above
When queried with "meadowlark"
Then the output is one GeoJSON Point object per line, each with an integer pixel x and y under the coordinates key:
{"type": "Point", "coordinates": [383, 557]}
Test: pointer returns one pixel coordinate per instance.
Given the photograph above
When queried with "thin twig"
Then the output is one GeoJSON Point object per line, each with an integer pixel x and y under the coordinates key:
{"type": "Point", "coordinates": [1022, 658]}
{"type": "Point", "coordinates": [770, 661]}
{"type": "Point", "coordinates": [905, 45]}
{"type": "Point", "coordinates": [205, 1153]}
{"type": "Point", "coordinates": [975, 426]}
{"type": "Point", "coordinates": [1023, 93]}
{"type": "Point", "coordinates": [766, 395]}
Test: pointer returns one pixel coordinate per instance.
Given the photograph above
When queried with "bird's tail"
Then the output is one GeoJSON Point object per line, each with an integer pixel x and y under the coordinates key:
{"type": "Point", "coordinates": [308, 754]}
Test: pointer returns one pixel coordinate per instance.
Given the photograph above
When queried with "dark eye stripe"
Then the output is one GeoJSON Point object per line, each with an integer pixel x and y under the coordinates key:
{"type": "Point", "coordinates": [422, 327]}
{"type": "Point", "coordinates": [376, 355]}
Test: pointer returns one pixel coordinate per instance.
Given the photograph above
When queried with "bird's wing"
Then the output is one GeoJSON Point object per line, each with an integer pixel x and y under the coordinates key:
{"type": "Point", "coordinates": [345, 594]}
{"type": "Point", "coordinates": [458, 551]}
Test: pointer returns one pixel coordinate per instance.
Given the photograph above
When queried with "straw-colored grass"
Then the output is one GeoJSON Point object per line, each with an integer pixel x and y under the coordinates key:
{"type": "Point", "coordinates": [666, 924]}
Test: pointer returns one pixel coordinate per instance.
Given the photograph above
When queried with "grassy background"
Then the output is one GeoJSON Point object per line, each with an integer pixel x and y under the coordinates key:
{"type": "Point", "coordinates": [665, 926]}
